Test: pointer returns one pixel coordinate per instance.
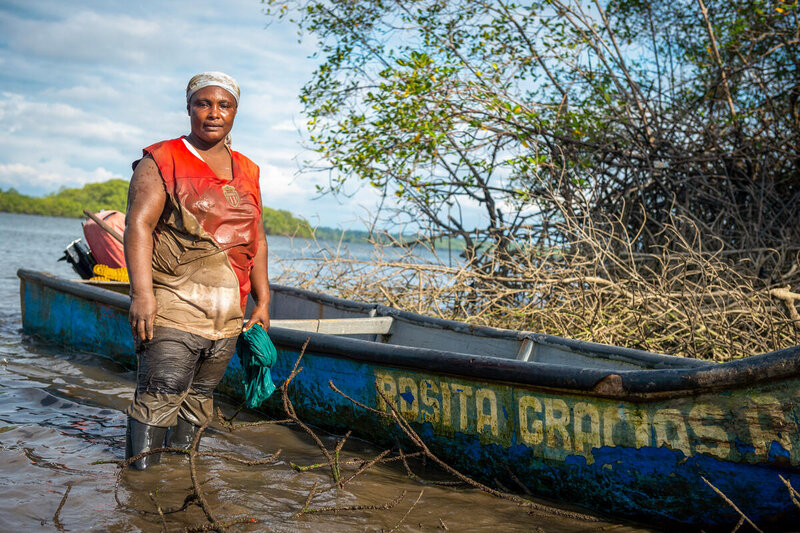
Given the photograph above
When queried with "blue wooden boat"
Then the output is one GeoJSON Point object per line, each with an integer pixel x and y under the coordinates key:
{"type": "Point", "coordinates": [619, 431]}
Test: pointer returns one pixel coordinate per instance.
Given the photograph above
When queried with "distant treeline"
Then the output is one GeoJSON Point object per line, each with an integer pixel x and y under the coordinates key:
{"type": "Point", "coordinates": [113, 195]}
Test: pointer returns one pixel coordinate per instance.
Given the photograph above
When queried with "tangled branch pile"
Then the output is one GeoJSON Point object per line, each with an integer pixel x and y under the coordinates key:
{"type": "Point", "coordinates": [680, 299]}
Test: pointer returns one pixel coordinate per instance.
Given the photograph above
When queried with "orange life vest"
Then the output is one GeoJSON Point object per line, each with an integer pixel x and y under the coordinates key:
{"type": "Point", "coordinates": [205, 241]}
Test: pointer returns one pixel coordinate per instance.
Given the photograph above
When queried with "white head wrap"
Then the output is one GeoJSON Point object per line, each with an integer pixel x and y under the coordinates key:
{"type": "Point", "coordinates": [218, 79]}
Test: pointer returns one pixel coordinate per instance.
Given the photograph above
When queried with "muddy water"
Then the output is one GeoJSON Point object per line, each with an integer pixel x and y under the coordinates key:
{"type": "Point", "coordinates": [61, 411]}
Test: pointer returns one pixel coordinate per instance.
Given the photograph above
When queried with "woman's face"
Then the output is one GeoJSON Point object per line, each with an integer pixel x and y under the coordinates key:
{"type": "Point", "coordinates": [212, 110]}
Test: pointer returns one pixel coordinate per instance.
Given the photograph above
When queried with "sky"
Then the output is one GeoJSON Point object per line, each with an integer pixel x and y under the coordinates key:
{"type": "Point", "coordinates": [86, 84]}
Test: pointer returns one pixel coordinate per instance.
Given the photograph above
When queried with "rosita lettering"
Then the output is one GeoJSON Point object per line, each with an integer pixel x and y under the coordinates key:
{"type": "Point", "coordinates": [558, 426]}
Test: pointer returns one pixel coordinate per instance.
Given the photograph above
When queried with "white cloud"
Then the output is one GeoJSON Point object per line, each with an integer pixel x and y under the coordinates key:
{"type": "Point", "coordinates": [87, 84]}
{"type": "Point", "coordinates": [85, 36]}
{"type": "Point", "coordinates": [286, 125]}
{"type": "Point", "coordinates": [63, 120]}
{"type": "Point", "coordinates": [96, 92]}
{"type": "Point", "coordinates": [50, 176]}
{"type": "Point", "coordinates": [278, 185]}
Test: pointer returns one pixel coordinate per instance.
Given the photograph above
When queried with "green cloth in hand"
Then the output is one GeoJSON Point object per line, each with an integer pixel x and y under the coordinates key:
{"type": "Point", "coordinates": [258, 354]}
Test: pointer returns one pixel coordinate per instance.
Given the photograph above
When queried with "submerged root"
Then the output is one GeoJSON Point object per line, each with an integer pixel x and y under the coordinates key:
{"type": "Point", "coordinates": [56, 520]}
{"type": "Point", "coordinates": [333, 509]}
{"type": "Point", "coordinates": [743, 517]}
{"type": "Point", "coordinates": [196, 497]}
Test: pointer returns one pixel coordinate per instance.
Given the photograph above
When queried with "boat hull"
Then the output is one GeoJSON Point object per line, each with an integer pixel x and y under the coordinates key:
{"type": "Point", "coordinates": [641, 457]}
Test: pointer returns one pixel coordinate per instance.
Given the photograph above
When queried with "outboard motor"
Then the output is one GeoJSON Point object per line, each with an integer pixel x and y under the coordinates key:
{"type": "Point", "coordinates": [80, 257]}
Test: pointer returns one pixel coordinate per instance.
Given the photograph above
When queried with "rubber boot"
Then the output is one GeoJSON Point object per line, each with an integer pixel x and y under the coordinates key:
{"type": "Point", "coordinates": [181, 435]}
{"type": "Point", "coordinates": [140, 438]}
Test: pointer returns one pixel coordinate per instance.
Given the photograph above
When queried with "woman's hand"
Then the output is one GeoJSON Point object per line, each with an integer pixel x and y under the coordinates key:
{"type": "Point", "coordinates": [260, 315]}
{"type": "Point", "coordinates": [141, 316]}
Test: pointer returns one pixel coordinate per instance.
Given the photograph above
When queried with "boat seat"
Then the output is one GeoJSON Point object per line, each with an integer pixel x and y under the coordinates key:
{"type": "Point", "coordinates": [525, 350]}
{"type": "Point", "coordinates": [340, 326]}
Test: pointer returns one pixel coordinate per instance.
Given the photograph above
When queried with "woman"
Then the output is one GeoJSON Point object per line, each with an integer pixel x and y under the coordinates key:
{"type": "Point", "coordinates": [195, 248]}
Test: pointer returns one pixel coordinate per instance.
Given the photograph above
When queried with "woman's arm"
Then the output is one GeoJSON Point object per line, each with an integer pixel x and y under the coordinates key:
{"type": "Point", "coordinates": [146, 200]}
{"type": "Point", "coordinates": [259, 283]}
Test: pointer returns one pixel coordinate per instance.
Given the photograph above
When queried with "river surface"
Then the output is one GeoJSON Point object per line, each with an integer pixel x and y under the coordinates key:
{"type": "Point", "coordinates": [60, 411]}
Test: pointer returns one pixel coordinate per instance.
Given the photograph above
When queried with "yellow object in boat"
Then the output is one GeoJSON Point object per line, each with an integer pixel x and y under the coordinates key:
{"type": "Point", "coordinates": [106, 273]}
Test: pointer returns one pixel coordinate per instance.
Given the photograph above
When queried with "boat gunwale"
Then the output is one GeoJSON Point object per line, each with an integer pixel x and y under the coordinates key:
{"type": "Point", "coordinates": [605, 351]}
{"type": "Point", "coordinates": [646, 385]}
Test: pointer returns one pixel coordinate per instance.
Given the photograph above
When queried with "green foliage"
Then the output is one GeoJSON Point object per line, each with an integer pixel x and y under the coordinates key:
{"type": "Point", "coordinates": [111, 194]}
{"type": "Point", "coordinates": [281, 222]}
{"type": "Point", "coordinates": [543, 111]}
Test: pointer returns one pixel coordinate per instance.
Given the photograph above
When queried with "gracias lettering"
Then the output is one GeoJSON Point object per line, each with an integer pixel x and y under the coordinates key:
{"type": "Point", "coordinates": [738, 427]}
